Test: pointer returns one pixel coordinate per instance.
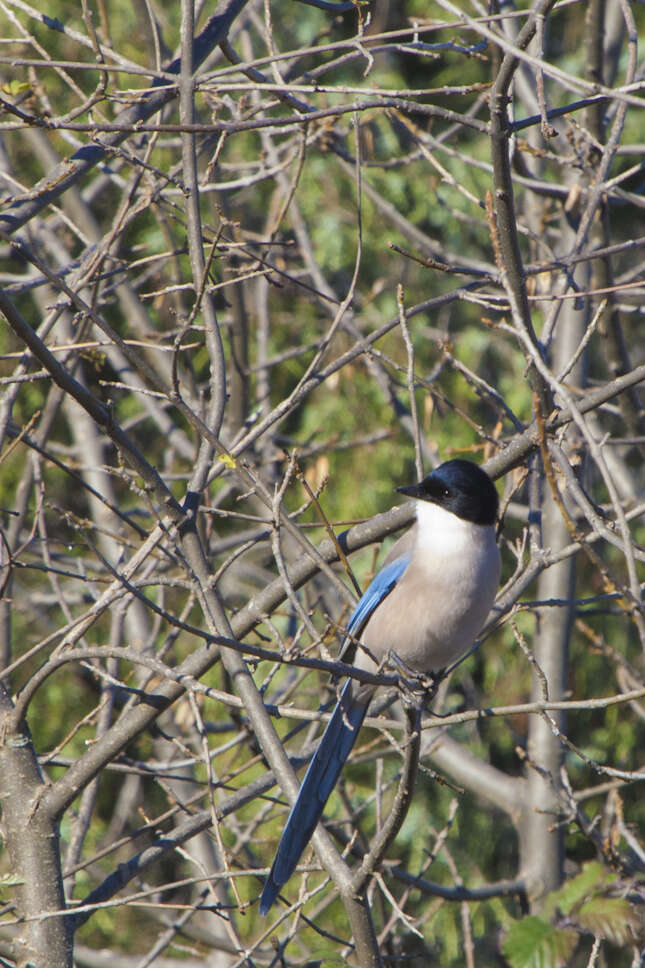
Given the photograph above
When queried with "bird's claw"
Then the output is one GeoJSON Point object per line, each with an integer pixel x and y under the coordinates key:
{"type": "Point", "coordinates": [416, 687]}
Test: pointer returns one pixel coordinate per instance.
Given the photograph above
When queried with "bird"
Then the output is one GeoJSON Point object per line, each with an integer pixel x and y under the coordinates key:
{"type": "Point", "coordinates": [425, 606]}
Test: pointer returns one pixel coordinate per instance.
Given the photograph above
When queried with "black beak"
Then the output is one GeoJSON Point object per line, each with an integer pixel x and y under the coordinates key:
{"type": "Point", "coordinates": [411, 490]}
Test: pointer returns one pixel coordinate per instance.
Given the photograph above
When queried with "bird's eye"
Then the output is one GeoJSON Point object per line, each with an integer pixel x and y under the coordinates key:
{"type": "Point", "coordinates": [445, 492]}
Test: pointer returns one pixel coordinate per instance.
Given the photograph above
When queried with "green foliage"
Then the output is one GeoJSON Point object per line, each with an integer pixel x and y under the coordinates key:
{"type": "Point", "coordinates": [613, 918]}
{"type": "Point", "coordinates": [533, 943]}
{"type": "Point", "coordinates": [10, 880]}
{"type": "Point", "coordinates": [584, 905]}
{"type": "Point", "coordinates": [592, 878]}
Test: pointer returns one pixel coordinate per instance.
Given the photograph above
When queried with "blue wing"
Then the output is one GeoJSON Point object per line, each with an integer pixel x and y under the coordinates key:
{"type": "Point", "coordinates": [335, 746]}
{"type": "Point", "coordinates": [378, 589]}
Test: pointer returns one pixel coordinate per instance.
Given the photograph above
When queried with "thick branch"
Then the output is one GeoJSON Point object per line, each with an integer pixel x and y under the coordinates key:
{"type": "Point", "coordinates": [31, 837]}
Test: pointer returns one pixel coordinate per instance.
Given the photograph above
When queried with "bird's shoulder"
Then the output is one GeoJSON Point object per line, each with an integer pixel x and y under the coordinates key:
{"type": "Point", "coordinates": [402, 547]}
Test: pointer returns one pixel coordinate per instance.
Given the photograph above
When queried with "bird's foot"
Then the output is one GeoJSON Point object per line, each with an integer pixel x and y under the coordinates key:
{"type": "Point", "coordinates": [415, 686]}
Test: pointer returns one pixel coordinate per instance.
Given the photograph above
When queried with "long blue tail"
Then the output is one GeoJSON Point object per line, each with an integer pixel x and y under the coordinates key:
{"type": "Point", "coordinates": [320, 779]}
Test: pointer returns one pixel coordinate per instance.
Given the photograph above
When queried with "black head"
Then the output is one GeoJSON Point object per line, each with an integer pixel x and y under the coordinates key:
{"type": "Point", "coordinates": [460, 487]}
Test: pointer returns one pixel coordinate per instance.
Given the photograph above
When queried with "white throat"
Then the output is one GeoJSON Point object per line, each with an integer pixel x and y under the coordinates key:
{"type": "Point", "coordinates": [442, 530]}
